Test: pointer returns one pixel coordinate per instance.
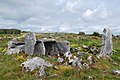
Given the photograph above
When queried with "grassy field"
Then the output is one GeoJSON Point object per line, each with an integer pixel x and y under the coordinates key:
{"type": "Point", "coordinates": [100, 70]}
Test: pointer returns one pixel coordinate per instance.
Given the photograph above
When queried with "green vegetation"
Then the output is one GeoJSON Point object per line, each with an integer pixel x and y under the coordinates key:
{"type": "Point", "coordinates": [10, 31]}
{"type": "Point", "coordinates": [81, 33]}
{"type": "Point", "coordinates": [96, 34]}
{"type": "Point", "coordinates": [100, 70]}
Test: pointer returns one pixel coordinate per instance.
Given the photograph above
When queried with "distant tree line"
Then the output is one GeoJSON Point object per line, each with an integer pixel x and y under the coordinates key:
{"type": "Point", "coordinates": [93, 34]}
{"type": "Point", "coordinates": [81, 33]}
{"type": "Point", "coordinates": [10, 31]}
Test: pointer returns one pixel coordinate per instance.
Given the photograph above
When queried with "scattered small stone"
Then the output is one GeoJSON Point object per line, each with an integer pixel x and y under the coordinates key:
{"type": "Point", "coordinates": [66, 54]}
{"type": "Point", "coordinates": [85, 65]}
{"type": "Point", "coordinates": [79, 64]}
{"type": "Point", "coordinates": [93, 49]}
{"type": "Point", "coordinates": [90, 77]}
{"type": "Point", "coordinates": [85, 47]}
{"type": "Point", "coordinates": [69, 56]}
{"type": "Point", "coordinates": [90, 60]}
{"type": "Point", "coordinates": [71, 50]}
{"type": "Point", "coordinates": [60, 59]}
{"type": "Point", "coordinates": [52, 75]}
{"type": "Point", "coordinates": [76, 49]}
{"type": "Point", "coordinates": [56, 68]}
{"type": "Point", "coordinates": [70, 61]}
{"type": "Point", "coordinates": [114, 63]}
{"type": "Point", "coordinates": [116, 72]}
{"type": "Point", "coordinates": [74, 63]}
{"type": "Point", "coordinates": [81, 53]}
{"type": "Point", "coordinates": [41, 71]}
{"type": "Point", "coordinates": [30, 41]}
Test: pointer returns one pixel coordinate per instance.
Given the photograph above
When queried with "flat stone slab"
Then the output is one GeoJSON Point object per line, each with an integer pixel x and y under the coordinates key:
{"type": "Point", "coordinates": [15, 50]}
{"type": "Point", "coordinates": [34, 63]}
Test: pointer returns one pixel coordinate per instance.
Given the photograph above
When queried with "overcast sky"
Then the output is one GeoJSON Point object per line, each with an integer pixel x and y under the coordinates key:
{"type": "Point", "coordinates": [60, 15]}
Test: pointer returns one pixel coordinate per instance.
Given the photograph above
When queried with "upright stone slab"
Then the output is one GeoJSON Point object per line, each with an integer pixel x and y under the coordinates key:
{"type": "Point", "coordinates": [30, 41]}
{"type": "Point", "coordinates": [39, 49]}
{"type": "Point", "coordinates": [63, 47]}
{"type": "Point", "coordinates": [106, 48]}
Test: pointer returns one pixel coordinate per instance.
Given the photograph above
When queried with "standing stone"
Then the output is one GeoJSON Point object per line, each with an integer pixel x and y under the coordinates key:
{"type": "Point", "coordinates": [39, 49]}
{"type": "Point", "coordinates": [30, 41]}
{"type": "Point", "coordinates": [106, 48]}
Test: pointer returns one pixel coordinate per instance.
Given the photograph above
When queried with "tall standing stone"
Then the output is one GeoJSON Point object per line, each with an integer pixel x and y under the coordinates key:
{"type": "Point", "coordinates": [30, 41]}
{"type": "Point", "coordinates": [106, 48]}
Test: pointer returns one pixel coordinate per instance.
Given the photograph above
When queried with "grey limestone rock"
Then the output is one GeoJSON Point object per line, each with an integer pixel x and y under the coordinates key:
{"type": "Point", "coordinates": [30, 41]}
{"type": "Point", "coordinates": [34, 63]}
{"type": "Point", "coordinates": [106, 48]}
{"type": "Point", "coordinates": [42, 71]}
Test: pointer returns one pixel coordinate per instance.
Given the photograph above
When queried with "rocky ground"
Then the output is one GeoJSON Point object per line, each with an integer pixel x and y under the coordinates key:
{"type": "Point", "coordinates": [83, 47]}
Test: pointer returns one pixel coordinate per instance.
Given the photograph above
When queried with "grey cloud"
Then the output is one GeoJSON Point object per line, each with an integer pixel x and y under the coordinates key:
{"type": "Point", "coordinates": [48, 15]}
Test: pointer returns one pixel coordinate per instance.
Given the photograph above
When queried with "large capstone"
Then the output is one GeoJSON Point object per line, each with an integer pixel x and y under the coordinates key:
{"type": "Point", "coordinates": [106, 48]}
{"type": "Point", "coordinates": [30, 41]}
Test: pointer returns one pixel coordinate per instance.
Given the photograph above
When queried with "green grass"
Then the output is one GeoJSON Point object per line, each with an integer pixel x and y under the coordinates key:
{"type": "Point", "coordinates": [100, 70]}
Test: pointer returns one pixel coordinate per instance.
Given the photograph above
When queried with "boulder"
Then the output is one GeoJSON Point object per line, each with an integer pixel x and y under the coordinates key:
{"type": "Point", "coordinates": [30, 41]}
{"type": "Point", "coordinates": [34, 63]}
{"type": "Point", "coordinates": [63, 46]}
